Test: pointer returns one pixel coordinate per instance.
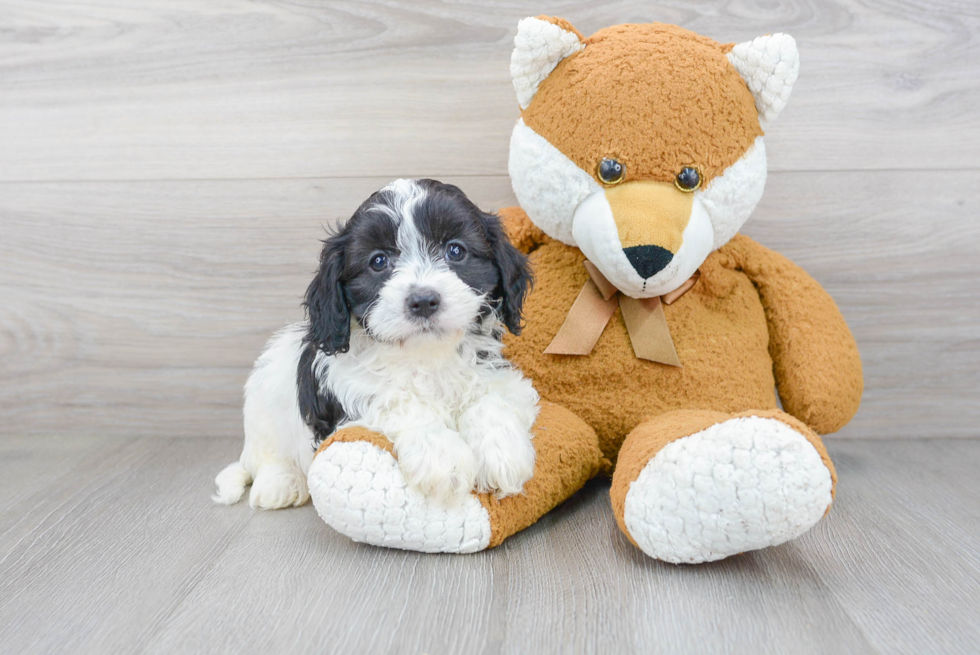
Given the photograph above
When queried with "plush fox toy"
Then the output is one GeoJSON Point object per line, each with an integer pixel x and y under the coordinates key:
{"type": "Point", "coordinates": [656, 334]}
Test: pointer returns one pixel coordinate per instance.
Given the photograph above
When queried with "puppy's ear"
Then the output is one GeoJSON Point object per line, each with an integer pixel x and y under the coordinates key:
{"type": "Point", "coordinates": [515, 274]}
{"type": "Point", "coordinates": [325, 303]}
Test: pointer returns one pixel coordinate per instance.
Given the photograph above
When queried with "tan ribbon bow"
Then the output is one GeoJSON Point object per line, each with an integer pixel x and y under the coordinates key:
{"type": "Point", "coordinates": [644, 318]}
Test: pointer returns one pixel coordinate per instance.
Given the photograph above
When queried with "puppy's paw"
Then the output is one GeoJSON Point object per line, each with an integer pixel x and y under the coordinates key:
{"type": "Point", "coordinates": [231, 483]}
{"type": "Point", "coordinates": [505, 460]}
{"type": "Point", "coordinates": [441, 465]}
{"type": "Point", "coordinates": [278, 485]}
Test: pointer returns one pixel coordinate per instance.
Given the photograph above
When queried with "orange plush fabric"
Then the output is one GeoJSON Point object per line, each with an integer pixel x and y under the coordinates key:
{"type": "Point", "coordinates": [351, 435]}
{"type": "Point", "coordinates": [655, 119]}
{"type": "Point", "coordinates": [658, 99]}
{"type": "Point", "coordinates": [753, 320]}
{"type": "Point", "coordinates": [719, 328]}
{"type": "Point", "coordinates": [567, 457]}
{"type": "Point", "coordinates": [525, 235]}
{"type": "Point", "coordinates": [815, 358]}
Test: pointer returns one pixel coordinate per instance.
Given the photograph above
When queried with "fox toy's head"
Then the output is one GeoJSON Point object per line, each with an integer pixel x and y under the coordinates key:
{"type": "Point", "coordinates": [642, 145]}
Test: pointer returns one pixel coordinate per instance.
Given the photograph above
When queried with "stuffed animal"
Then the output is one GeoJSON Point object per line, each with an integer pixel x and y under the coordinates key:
{"type": "Point", "coordinates": [655, 334]}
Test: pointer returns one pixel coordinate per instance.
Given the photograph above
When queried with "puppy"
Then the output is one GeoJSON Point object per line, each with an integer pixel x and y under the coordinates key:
{"type": "Point", "coordinates": [403, 336]}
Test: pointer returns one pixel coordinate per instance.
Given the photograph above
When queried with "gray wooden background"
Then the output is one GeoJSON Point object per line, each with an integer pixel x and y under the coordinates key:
{"type": "Point", "coordinates": [166, 168]}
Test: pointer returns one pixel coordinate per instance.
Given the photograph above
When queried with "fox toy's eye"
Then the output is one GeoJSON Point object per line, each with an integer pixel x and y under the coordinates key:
{"type": "Point", "coordinates": [379, 262]}
{"type": "Point", "coordinates": [611, 171]}
{"type": "Point", "coordinates": [688, 180]}
{"type": "Point", "coordinates": [455, 251]}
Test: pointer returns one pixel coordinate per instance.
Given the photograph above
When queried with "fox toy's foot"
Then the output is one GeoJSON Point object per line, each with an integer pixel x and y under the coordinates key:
{"type": "Point", "coordinates": [697, 486]}
{"type": "Point", "coordinates": [358, 489]}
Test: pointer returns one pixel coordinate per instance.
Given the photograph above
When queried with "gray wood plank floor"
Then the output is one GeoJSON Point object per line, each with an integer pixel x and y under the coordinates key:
{"type": "Point", "coordinates": [112, 545]}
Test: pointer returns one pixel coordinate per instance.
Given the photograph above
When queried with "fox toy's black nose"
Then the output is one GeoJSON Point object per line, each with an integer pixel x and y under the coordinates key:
{"type": "Point", "coordinates": [648, 260]}
{"type": "Point", "coordinates": [423, 303]}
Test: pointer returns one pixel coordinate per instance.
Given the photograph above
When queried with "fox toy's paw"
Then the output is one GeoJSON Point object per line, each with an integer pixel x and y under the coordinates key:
{"type": "Point", "coordinates": [700, 486]}
{"type": "Point", "coordinates": [359, 489]}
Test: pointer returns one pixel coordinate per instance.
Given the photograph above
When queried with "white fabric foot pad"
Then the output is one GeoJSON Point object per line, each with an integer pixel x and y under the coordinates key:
{"type": "Point", "coordinates": [359, 490]}
{"type": "Point", "coordinates": [740, 485]}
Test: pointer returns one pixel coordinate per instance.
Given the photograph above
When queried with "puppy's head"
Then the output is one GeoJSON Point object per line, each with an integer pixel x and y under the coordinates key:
{"type": "Point", "coordinates": [417, 260]}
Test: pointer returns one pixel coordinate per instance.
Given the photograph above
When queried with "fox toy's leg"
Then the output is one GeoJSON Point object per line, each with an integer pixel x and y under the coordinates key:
{"type": "Point", "coordinates": [358, 489]}
{"type": "Point", "coordinates": [695, 486]}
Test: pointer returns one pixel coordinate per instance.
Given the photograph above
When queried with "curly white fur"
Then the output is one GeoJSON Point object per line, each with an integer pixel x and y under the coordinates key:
{"type": "Point", "coordinates": [458, 420]}
{"type": "Point", "coordinates": [278, 443]}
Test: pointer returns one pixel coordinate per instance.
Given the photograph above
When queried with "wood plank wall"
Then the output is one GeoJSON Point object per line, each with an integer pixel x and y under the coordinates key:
{"type": "Point", "coordinates": [166, 168]}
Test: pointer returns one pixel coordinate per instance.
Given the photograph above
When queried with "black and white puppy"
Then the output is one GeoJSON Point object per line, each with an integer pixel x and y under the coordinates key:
{"type": "Point", "coordinates": [403, 336]}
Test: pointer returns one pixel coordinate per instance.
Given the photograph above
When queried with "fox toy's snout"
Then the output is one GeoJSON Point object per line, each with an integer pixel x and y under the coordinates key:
{"type": "Point", "coordinates": [650, 220]}
{"type": "Point", "coordinates": [647, 237]}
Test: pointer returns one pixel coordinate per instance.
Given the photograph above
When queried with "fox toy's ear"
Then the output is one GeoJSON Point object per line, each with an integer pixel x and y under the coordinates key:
{"type": "Point", "coordinates": [538, 47]}
{"type": "Point", "coordinates": [769, 65]}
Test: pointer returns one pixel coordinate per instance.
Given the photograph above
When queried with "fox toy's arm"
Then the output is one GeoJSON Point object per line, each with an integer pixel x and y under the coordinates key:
{"type": "Point", "coordinates": [524, 234]}
{"type": "Point", "coordinates": [815, 358]}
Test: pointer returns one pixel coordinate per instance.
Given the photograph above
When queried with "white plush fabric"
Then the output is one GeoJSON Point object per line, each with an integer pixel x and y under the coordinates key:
{"type": "Point", "coordinates": [769, 65]}
{"type": "Point", "coordinates": [359, 490]}
{"type": "Point", "coordinates": [538, 47]}
{"type": "Point", "coordinates": [731, 197]}
{"type": "Point", "coordinates": [737, 486]}
{"type": "Point", "coordinates": [549, 186]}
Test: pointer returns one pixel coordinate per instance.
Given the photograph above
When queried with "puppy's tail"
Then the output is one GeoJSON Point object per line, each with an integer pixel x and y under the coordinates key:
{"type": "Point", "coordinates": [231, 484]}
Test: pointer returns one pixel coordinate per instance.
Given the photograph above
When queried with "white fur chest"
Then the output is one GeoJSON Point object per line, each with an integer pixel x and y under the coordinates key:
{"type": "Point", "coordinates": [375, 380]}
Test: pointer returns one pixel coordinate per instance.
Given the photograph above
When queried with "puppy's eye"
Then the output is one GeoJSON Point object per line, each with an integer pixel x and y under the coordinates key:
{"type": "Point", "coordinates": [688, 180]}
{"type": "Point", "coordinates": [611, 171]}
{"type": "Point", "coordinates": [455, 251]}
{"type": "Point", "coordinates": [379, 261]}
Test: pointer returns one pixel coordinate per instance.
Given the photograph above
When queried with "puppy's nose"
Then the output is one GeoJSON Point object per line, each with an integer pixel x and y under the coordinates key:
{"type": "Point", "coordinates": [422, 303]}
{"type": "Point", "coordinates": [648, 260]}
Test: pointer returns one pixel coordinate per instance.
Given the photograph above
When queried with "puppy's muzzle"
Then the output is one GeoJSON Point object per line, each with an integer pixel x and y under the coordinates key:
{"type": "Point", "coordinates": [422, 303]}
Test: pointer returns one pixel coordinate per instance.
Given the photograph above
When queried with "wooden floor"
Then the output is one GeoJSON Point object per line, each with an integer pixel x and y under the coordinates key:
{"type": "Point", "coordinates": [112, 546]}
